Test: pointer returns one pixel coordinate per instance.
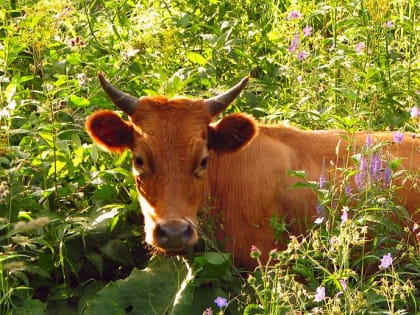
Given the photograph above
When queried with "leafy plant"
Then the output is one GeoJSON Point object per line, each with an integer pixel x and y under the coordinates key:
{"type": "Point", "coordinates": [70, 228]}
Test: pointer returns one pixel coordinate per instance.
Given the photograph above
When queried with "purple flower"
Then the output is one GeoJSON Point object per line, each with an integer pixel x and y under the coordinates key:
{"type": "Point", "coordinates": [360, 177]}
{"type": "Point", "coordinates": [398, 137]}
{"type": "Point", "coordinates": [343, 284]}
{"type": "Point", "coordinates": [221, 302]}
{"type": "Point", "coordinates": [375, 166]}
{"type": "Point", "coordinates": [344, 216]}
{"type": "Point", "coordinates": [387, 176]}
{"type": "Point", "coordinates": [294, 43]}
{"type": "Point", "coordinates": [368, 141]}
{"type": "Point", "coordinates": [363, 164]}
{"type": "Point", "coordinates": [386, 261]}
{"type": "Point", "coordinates": [360, 47]}
{"type": "Point", "coordinates": [295, 15]}
{"type": "Point", "coordinates": [348, 190]}
{"type": "Point", "coordinates": [307, 30]}
{"type": "Point", "coordinates": [415, 112]}
{"type": "Point", "coordinates": [302, 55]}
{"type": "Point", "coordinates": [389, 24]}
{"type": "Point", "coordinates": [320, 294]}
{"type": "Point", "coordinates": [322, 181]}
{"type": "Point", "coordinates": [320, 210]}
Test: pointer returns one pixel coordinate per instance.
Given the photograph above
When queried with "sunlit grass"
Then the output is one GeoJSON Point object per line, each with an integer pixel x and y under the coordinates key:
{"type": "Point", "coordinates": [320, 65]}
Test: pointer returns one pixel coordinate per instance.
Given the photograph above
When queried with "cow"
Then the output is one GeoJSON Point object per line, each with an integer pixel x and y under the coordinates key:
{"type": "Point", "coordinates": [181, 160]}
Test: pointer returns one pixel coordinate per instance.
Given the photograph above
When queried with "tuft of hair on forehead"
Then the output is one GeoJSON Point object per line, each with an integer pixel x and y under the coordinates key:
{"type": "Point", "coordinates": [157, 105]}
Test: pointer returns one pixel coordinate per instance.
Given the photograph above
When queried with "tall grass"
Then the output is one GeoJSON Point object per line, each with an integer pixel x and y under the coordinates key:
{"type": "Point", "coordinates": [69, 221]}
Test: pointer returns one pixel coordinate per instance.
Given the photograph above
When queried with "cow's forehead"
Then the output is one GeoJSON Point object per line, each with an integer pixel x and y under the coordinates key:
{"type": "Point", "coordinates": [178, 126]}
{"type": "Point", "coordinates": [159, 114]}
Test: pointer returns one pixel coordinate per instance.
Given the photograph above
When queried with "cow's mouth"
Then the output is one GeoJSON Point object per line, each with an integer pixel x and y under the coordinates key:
{"type": "Point", "coordinates": [169, 252]}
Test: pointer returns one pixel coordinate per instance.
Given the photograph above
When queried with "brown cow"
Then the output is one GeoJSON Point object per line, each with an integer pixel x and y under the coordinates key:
{"type": "Point", "coordinates": [179, 158]}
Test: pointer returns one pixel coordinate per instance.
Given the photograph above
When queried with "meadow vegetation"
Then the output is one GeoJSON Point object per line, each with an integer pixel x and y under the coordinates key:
{"type": "Point", "coordinates": [70, 227]}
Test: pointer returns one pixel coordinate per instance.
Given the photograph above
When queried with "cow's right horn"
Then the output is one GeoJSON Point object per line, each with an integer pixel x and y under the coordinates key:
{"type": "Point", "coordinates": [126, 102]}
{"type": "Point", "coordinates": [218, 103]}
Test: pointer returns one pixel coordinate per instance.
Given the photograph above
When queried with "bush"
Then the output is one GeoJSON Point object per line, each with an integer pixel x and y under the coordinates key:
{"type": "Point", "coordinates": [69, 219]}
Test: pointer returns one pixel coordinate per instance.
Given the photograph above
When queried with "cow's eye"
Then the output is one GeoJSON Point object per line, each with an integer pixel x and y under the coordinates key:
{"type": "Point", "coordinates": [139, 161]}
{"type": "Point", "coordinates": [204, 163]}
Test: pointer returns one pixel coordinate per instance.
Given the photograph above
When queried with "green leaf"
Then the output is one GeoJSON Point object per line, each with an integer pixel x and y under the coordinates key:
{"type": "Point", "coordinates": [152, 290]}
{"type": "Point", "coordinates": [196, 58]}
{"type": "Point", "coordinates": [79, 101]}
{"type": "Point", "coordinates": [33, 307]}
{"type": "Point", "coordinates": [300, 174]}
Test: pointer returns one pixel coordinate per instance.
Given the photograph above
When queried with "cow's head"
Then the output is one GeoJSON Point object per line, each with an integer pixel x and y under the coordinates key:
{"type": "Point", "coordinates": [170, 140]}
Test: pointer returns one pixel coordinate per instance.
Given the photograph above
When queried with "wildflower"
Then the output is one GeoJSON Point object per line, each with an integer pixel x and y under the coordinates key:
{"type": "Point", "coordinates": [208, 311]}
{"type": "Point", "coordinates": [320, 294]}
{"type": "Point", "coordinates": [320, 210]}
{"type": "Point", "coordinates": [4, 113]}
{"type": "Point", "coordinates": [82, 79]}
{"type": "Point", "coordinates": [360, 47]}
{"type": "Point", "coordinates": [255, 252]}
{"type": "Point", "coordinates": [360, 176]}
{"type": "Point", "coordinates": [375, 166]}
{"type": "Point", "coordinates": [344, 216]}
{"type": "Point", "coordinates": [322, 181]}
{"type": "Point", "coordinates": [307, 30]}
{"type": "Point", "coordinates": [398, 137]}
{"type": "Point", "coordinates": [359, 179]}
{"type": "Point", "coordinates": [319, 220]}
{"type": "Point", "coordinates": [347, 190]}
{"type": "Point", "coordinates": [386, 261]}
{"type": "Point", "coordinates": [302, 55]}
{"type": "Point", "coordinates": [221, 302]}
{"type": "Point", "coordinates": [415, 112]}
{"type": "Point", "coordinates": [75, 42]}
{"type": "Point", "coordinates": [387, 176]}
{"type": "Point", "coordinates": [294, 43]}
{"type": "Point", "coordinates": [368, 142]}
{"type": "Point", "coordinates": [293, 15]}
{"type": "Point", "coordinates": [343, 284]}
{"type": "Point", "coordinates": [299, 78]}
{"type": "Point", "coordinates": [389, 24]}
{"type": "Point", "coordinates": [273, 253]}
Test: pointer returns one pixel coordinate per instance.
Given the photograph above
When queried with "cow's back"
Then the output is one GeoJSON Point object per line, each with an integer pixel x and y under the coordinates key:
{"type": "Point", "coordinates": [250, 187]}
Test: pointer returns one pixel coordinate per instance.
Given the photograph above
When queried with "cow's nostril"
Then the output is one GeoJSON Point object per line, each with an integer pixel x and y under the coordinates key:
{"type": "Point", "coordinates": [160, 232]}
{"type": "Point", "coordinates": [174, 234]}
{"type": "Point", "coordinates": [188, 232]}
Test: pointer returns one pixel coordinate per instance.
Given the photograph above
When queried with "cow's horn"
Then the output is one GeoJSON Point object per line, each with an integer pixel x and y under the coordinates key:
{"type": "Point", "coordinates": [126, 102]}
{"type": "Point", "coordinates": [218, 103]}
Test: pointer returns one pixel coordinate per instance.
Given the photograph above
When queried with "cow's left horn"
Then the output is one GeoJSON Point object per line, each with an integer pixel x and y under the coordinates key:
{"type": "Point", "coordinates": [218, 103]}
{"type": "Point", "coordinates": [126, 102]}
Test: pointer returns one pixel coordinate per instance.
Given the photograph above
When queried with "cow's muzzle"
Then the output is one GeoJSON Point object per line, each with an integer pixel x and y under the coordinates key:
{"type": "Point", "coordinates": [174, 235]}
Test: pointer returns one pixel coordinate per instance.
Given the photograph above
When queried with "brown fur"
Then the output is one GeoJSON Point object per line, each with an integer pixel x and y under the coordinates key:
{"type": "Point", "coordinates": [258, 183]}
{"type": "Point", "coordinates": [247, 175]}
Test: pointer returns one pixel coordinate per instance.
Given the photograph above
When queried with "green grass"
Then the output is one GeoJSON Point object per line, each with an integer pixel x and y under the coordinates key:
{"type": "Point", "coordinates": [70, 228]}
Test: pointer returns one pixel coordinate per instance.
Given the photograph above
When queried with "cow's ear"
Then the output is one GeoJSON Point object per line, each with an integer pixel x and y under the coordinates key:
{"type": "Point", "coordinates": [232, 133]}
{"type": "Point", "coordinates": [109, 131]}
